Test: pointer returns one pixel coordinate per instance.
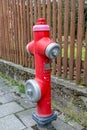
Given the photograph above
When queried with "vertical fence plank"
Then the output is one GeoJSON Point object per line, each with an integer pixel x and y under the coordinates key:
{"type": "Point", "coordinates": [8, 25]}
{"type": "Point", "coordinates": [25, 31]}
{"type": "Point", "coordinates": [49, 12]}
{"type": "Point", "coordinates": [8, 31]}
{"type": "Point", "coordinates": [1, 31]}
{"type": "Point", "coordinates": [19, 31]}
{"type": "Point", "coordinates": [0, 28]}
{"type": "Point", "coordinates": [28, 21]}
{"type": "Point", "coordinates": [39, 8]}
{"type": "Point", "coordinates": [28, 32]}
{"type": "Point", "coordinates": [31, 18]}
{"type": "Point", "coordinates": [35, 11]}
{"type": "Point", "coordinates": [11, 31]}
{"type": "Point", "coordinates": [4, 31]}
{"type": "Point", "coordinates": [44, 9]}
{"type": "Point", "coordinates": [72, 37]}
{"type": "Point", "coordinates": [31, 25]}
{"type": "Point", "coordinates": [15, 31]}
{"type": "Point", "coordinates": [79, 38]}
{"type": "Point", "coordinates": [54, 35]}
{"type": "Point", "coordinates": [22, 30]}
{"type": "Point", "coordinates": [59, 59]}
{"type": "Point", "coordinates": [66, 37]}
{"type": "Point", "coordinates": [54, 20]}
{"type": "Point", "coordinates": [85, 62]}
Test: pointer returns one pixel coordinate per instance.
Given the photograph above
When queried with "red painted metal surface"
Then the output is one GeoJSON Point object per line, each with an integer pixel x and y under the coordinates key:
{"type": "Point", "coordinates": [42, 66]}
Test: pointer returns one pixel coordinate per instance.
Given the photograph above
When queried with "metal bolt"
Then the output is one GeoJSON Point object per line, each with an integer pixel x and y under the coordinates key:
{"type": "Point", "coordinates": [29, 92]}
{"type": "Point", "coordinates": [54, 52]}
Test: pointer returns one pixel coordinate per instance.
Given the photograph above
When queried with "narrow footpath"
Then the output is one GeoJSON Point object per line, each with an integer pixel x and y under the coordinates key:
{"type": "Point", "coordinates": [16, 110]}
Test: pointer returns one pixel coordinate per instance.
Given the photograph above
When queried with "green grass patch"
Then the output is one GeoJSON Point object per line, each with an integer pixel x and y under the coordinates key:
{"type": "Point", "coordinates": [11, 82]}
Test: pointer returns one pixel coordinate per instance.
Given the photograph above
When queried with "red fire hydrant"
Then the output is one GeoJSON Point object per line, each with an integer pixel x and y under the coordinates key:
{"type": "Point", "coordinates": [39, 89]}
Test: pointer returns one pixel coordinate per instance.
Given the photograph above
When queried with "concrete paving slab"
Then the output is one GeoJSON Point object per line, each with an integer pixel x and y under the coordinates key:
{"type": "Point", "coordinates": [4, 91]}
{"type": "Point", "coordinates": [13, 88]}
{"type": "Point", "coordinates": [11, 103]}
{"type": "Point", "coordinates": [26, 117]}
{"type": "Point", "coordinates": [60, 125]}
{"type": "Point", "coordinates": [75, 125]}
{"type": "Point", "coordinates": [1, 92]}
{"type": "Point", "coordinates": [9, 97]}
{"type": "Point", "coordinates": [26, 103]}
{"type": "Point", "coordinates": [6, 98]}
{"type": "Point", "coordinates": [29, 128]}
{"type": "Point", "coordinates": [9, 108]}
{"type": "Point", "coordinates": [11, 123]}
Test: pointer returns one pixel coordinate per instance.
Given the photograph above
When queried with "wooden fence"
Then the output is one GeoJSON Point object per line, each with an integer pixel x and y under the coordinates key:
{"type": "Point", "coordinates": [17, 18]}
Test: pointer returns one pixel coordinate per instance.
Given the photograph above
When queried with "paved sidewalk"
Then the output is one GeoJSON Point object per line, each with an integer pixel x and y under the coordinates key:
{"type": "Point", "coordinates": [16, 111]}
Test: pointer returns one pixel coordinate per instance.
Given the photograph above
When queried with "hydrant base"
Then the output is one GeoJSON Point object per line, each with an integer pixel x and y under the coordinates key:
{"type": "Point", "coordinates": [44, 122]}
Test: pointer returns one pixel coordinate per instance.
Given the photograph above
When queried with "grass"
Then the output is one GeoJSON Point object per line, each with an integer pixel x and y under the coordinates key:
{"type": "Point", "coordinates": [21, 87]}
{"type": "Point", "coordinates": [71, 115]}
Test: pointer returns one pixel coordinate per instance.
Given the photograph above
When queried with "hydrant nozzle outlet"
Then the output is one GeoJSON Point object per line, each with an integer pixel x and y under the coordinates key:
{"type": "Point", "coordinates": [33, 91]}
{"type": "Point", "coordinates": [52, 50]}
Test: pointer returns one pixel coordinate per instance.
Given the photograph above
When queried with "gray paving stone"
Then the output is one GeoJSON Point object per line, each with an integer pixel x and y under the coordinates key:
{"type": "Point", "coordinates": [13, 88]}
{"type": "Point", "coordinates": [26, 117]}
{"type": "Point", "coordinates": [1, 92]}
{"type": "Point", "coordinates": [75, 125]}
{"type": "Point", "coordinates": [29, 128]}
{"type": "Point", "coordinates": [10, 123]}
{"type": "Point", "coordinates": [9, 108]}
{"type": "Point", "coordinates": [60, 125]}
{"type": "Point", "coordinates": [7, 98]}
{"type": "Point", "coordinates": [4, 91]}
{"type": "Point", "coordinates": [26, 103]}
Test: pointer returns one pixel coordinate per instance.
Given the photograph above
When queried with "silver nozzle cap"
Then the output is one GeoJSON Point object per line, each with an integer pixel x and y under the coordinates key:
{"type": "Point", "coordinates": [52, 50]}
{"type": "Point", "coordinates": [33, 91]}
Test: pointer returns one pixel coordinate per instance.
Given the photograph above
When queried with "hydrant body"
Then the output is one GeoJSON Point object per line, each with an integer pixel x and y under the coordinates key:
{"type": "Point", "coordinates": [43, 49]}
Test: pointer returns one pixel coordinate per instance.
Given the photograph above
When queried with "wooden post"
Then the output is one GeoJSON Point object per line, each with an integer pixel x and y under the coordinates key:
{"type": "Point", "coordinates": [28, 32]}
{"type": "Point", "coordinates": [79, 38]}
{"type": "Point", "coordinates": [49, 12]}
{"type": "Point", "coordinates": [72, 37]}
{"type": "Point", "coordinates": [85, 62]}
{"type": "Point", "coordinates": [59, 59]}
{"type": "Point", "coordinates": [66, 21]}
{"type": "Point", "coordinates": [39, 8]}
{"type": "Point", "coordinates": [54, 35]}
{"type": "Point", "coordinates": [35, 11]}
{"type": "Point", "coordinates": [44, 9]}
